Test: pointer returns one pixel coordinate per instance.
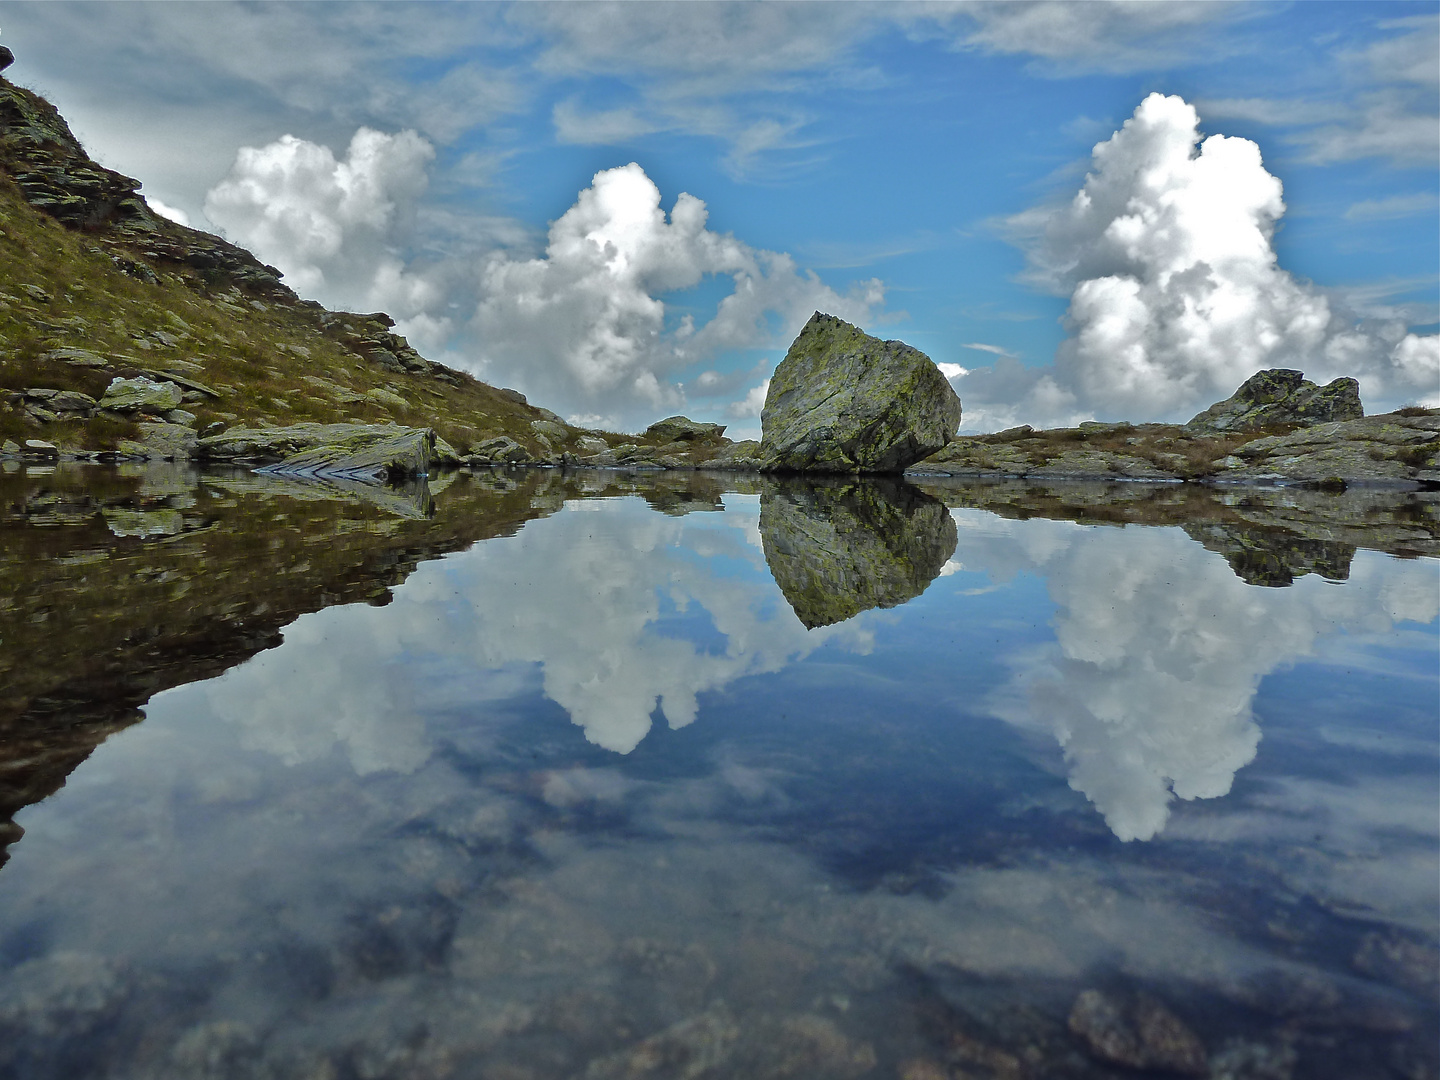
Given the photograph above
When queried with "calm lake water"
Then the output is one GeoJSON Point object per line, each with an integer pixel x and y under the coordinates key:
{"type": "Point", "coordinates": [606, 776]}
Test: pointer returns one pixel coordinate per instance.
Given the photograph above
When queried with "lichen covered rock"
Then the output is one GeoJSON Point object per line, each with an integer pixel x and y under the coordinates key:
{"type": "Point", "coordinates": [374, 453]}
{"type": "Point", "coordinates": [843, 401]}
{"type": "Point", "coordinates": [682, 429]}
{"type": "Point", "coordinates": [1280, 396]}
{"type": "Point", "coordinates": [141, 395]}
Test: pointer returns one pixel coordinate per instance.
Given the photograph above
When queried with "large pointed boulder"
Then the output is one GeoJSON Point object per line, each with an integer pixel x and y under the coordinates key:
{"type": "Point", "coordinates": [845, 402]}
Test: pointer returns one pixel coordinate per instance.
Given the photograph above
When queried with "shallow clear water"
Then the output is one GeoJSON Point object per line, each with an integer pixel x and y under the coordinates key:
{"type": "Point", "coordinates": [590, 800]}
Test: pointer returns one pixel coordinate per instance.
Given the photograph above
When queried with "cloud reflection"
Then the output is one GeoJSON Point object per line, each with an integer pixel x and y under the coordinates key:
{"type": "Point", "coordinates": [610, 609]}
{"type": "Point", "coordinates": [1159, 650]}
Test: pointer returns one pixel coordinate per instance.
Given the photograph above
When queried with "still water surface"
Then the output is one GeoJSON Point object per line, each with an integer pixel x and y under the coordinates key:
{"type": "Point", "coordinates": [649, 786]}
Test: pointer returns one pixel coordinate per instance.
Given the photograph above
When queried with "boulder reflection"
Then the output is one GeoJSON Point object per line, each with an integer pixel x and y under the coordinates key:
{"type": "Point", "coordinates": [840, 547]}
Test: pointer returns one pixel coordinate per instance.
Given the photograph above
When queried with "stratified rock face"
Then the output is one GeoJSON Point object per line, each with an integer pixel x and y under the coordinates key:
{"type": "Point", "coordinates": [1280, 396]}
{"type": "Point", "coordinates": [369, 452]}
{"type": "Point", "coordinates": [843, 401]}
{"type": "Point", "coordinates": [837, 548]}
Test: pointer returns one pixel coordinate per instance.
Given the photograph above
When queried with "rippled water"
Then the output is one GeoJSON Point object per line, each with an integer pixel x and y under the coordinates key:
{"type": "Point", "coordinates": [639, 777]}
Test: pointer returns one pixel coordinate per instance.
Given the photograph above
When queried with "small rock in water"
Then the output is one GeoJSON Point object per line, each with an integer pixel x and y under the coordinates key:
{"type": "Point", "coordinates": [1142, 1034]}
{"type": "Point", "coordinates": [843, 401]}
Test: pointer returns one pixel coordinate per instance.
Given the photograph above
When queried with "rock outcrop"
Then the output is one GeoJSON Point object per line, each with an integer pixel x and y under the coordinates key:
{"type": "Point", "coordinates": [1280, 396]}
{"type": "Point", "coordinates": [682, 429]}
{"type": "Point", "coordinates": [141, 395]}
{"type": "Point", "coordinates": [839, 547]}
{"type": "Point", "coordinates": [1399, 449]}
{"type": "Point", "coordinates": [845, 402]}
{"type": "Point", "coordinates": [372, 452]}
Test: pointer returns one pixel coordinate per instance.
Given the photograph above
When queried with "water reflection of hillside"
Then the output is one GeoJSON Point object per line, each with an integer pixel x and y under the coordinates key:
{"type": "Point", "coordinates": [117, 585]}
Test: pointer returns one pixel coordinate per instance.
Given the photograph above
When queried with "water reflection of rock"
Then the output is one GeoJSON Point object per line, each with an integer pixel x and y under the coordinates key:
{"type": "Point", "coordinates": [1273, 557]}
{"type": "Point", "coordinates": [840, 547]}
{"type": "Point", "coordinates": [1269, 536]}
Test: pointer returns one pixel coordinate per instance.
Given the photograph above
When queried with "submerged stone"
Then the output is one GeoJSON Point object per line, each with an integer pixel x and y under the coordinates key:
{"type": "Point", "coordinates": [843, 401]}
{"type": "Point", "coordinates": [838, 548]}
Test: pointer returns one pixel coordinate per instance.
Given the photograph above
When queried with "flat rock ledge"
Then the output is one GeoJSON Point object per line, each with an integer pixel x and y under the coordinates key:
{"type": "Point", "coordinates": [1398, 450]}
{"type": "Point", "coordinates": [365, 452]}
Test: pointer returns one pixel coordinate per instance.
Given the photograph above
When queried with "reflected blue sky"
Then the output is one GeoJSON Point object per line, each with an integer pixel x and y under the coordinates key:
{"type": "Point", "coordinates": [595, 783]}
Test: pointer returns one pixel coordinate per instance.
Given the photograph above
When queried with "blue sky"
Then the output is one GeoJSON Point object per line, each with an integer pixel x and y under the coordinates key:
{"type": "Point", "coordinates": [910, 167]}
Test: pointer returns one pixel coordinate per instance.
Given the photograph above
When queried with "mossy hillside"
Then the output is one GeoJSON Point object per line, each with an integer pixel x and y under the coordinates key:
{"type": "Point", "coordinates": [85, 264]}
{"type": "Point", "coordinates": [267, 363]}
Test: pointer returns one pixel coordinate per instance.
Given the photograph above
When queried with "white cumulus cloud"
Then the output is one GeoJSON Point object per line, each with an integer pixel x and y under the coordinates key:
{"type": "Point", "coordinates": [584, 327]}
{"type": "Point", "coordinates": [751, 404]}
{"type": "Point", "coordinates": [333, 226]}
{"type": "Point", "coordinates": [1176, 295]}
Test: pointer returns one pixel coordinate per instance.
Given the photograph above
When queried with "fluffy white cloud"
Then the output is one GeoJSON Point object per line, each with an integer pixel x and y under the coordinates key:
{"type": "Point", "coordinates": [585, 328]}
{"type": "Point", "coordinates": [752, 403]}
{"type": "Point", "coordinates": [1176, 294]}
{"type": "Point", "coordinates": [333, 226]}
{"type": "Point", "coordinates": [174, 213]}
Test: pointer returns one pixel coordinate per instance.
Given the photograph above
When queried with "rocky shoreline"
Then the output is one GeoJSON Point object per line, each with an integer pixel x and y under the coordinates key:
{"type": "Point", "coordinates": [1392, 450]}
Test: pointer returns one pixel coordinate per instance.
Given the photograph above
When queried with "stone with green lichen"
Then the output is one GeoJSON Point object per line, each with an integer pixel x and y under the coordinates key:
{"type": "Point", "coordinates": [682, 429]}
{"type": "Point", "coordinates": [375, 451]}
{"type": "Point", "coordinates": [844, 402]}
{"type": "Point", "coordinates": [1280, 396]}
{"type": "Point", "coordinates": [141, 395]}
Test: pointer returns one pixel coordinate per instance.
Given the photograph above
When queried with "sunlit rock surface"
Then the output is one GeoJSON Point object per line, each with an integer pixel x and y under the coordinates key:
{"type": "Point", "coordinates": [838, 548]}
{"type": "Point", "coordinates": [845, 402]}
{"type": "Point", "coordinates": [1280, 396]}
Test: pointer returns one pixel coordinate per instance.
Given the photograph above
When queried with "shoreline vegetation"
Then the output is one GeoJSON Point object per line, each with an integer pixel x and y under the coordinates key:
{"type": "Point", "coordinates": [128, 337]}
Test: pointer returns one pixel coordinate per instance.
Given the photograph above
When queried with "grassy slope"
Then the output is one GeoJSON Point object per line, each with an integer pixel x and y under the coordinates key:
{"type": "Point", "coordinates": [120, 282]}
